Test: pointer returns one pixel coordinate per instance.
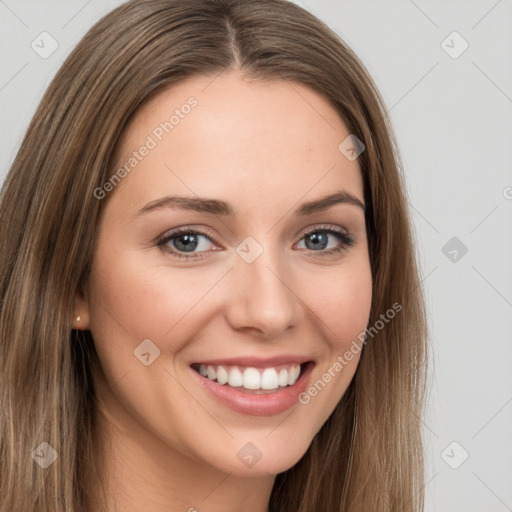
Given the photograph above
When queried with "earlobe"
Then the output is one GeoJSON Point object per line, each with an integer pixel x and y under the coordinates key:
{"type": "Point", "coordinates": [80, 319]}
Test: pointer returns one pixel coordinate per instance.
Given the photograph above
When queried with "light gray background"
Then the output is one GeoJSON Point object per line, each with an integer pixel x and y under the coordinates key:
{"type": "Point", "coordinates": [453, 120]}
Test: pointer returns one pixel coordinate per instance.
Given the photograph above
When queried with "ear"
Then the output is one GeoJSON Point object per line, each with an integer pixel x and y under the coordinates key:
{"type": "Point", "coordinates": [80, 320]}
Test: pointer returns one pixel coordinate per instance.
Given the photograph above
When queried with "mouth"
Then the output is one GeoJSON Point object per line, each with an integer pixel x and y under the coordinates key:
{"type": "Point", "coordinates": [257, 379]}
{"type": "Point", "coordinates": [253, 386]}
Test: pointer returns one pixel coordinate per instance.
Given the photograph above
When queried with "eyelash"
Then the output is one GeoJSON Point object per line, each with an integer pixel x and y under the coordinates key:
{"type": "Point", "coordinates": [345, 238]}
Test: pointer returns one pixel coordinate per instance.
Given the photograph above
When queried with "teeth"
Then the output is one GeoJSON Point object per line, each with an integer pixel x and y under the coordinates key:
{"type": "Point", "coordinates": [252, 378]}
{"type": "Point", "coordinates": [293, 375]}
{"type": "Point", "coordinates": [235, 378]}
{"type": "Point", "coordinates": [283, 378]}
{"type": "Point", "coordinates": [222, 375]}
{"type": "Point", "coordinates": [269, 379]}
{"type": "Point", "coordinates": [211, 373]}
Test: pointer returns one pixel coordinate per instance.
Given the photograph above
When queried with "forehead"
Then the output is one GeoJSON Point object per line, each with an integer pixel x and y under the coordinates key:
{"type": "Point", "coordinates": [226, 135]}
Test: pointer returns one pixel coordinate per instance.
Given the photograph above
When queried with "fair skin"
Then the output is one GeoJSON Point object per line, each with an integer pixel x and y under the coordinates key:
{"type": "Point", "coordinates": [265, 148]}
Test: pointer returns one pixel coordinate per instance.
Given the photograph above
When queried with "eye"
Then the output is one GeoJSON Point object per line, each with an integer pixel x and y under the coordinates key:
{"type": "Point", "coordinates": [188, 244]}
{"type": "Point", "coordinates": [185, 240]}
{"type": "Point", "coordinates": [318, 240]}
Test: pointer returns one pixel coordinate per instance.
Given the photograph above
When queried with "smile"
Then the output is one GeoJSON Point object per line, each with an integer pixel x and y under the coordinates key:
{"type": "Point", "coordinates": [254, 387]}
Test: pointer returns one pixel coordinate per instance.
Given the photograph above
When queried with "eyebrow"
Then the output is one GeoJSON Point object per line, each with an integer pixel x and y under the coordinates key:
{"type": "Point", "coordinates": [219, 207]}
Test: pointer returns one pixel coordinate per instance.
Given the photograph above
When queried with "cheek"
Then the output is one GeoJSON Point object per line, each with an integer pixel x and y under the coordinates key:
{"type": "Point", "coordinates": [342, 313]}
{"type": "Point", "coordinates": [341, 300]}
{"type": "Point", "coordinates": [143, 301]}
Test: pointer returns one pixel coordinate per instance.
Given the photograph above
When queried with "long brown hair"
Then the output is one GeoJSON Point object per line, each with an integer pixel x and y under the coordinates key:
{"type": "Point", "coordinates": [368, 456]}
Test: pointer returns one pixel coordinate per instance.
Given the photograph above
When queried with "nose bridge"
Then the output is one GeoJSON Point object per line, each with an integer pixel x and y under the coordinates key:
{"type": "Point", "coordinates": [264, 297]}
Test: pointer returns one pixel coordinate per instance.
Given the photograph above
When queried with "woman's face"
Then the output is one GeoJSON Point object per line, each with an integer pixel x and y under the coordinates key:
{"type": "Point", "coordinates": [259, 282]}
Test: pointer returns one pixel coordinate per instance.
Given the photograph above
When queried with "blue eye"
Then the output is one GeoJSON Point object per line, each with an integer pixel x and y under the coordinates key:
{"type": "Point", "coordinates": [186, 243]}
{"type": "Point", "coordinates": [184, 239]}
{"type": "Point", "coordinates": [318, 238]}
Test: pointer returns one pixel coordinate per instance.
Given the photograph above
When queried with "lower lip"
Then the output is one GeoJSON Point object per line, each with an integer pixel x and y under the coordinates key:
{"type": "Point", "coordinates": [257, 405]}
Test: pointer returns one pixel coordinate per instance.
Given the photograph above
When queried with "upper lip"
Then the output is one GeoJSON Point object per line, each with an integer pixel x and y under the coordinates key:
{"type": "Point", "coordinates": [256, 362]}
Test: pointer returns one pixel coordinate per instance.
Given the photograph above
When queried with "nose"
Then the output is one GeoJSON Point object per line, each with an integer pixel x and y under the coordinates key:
{"type": "Point", "coordinates": [264, 297]}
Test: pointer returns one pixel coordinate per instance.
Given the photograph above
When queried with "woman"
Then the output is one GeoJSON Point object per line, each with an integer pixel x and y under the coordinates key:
{"type": "Point", "coordinates": [209, 293]}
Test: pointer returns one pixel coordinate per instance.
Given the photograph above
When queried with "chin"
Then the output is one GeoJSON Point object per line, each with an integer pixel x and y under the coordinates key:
{"type": "Point", "coordinates": [265, 457]}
